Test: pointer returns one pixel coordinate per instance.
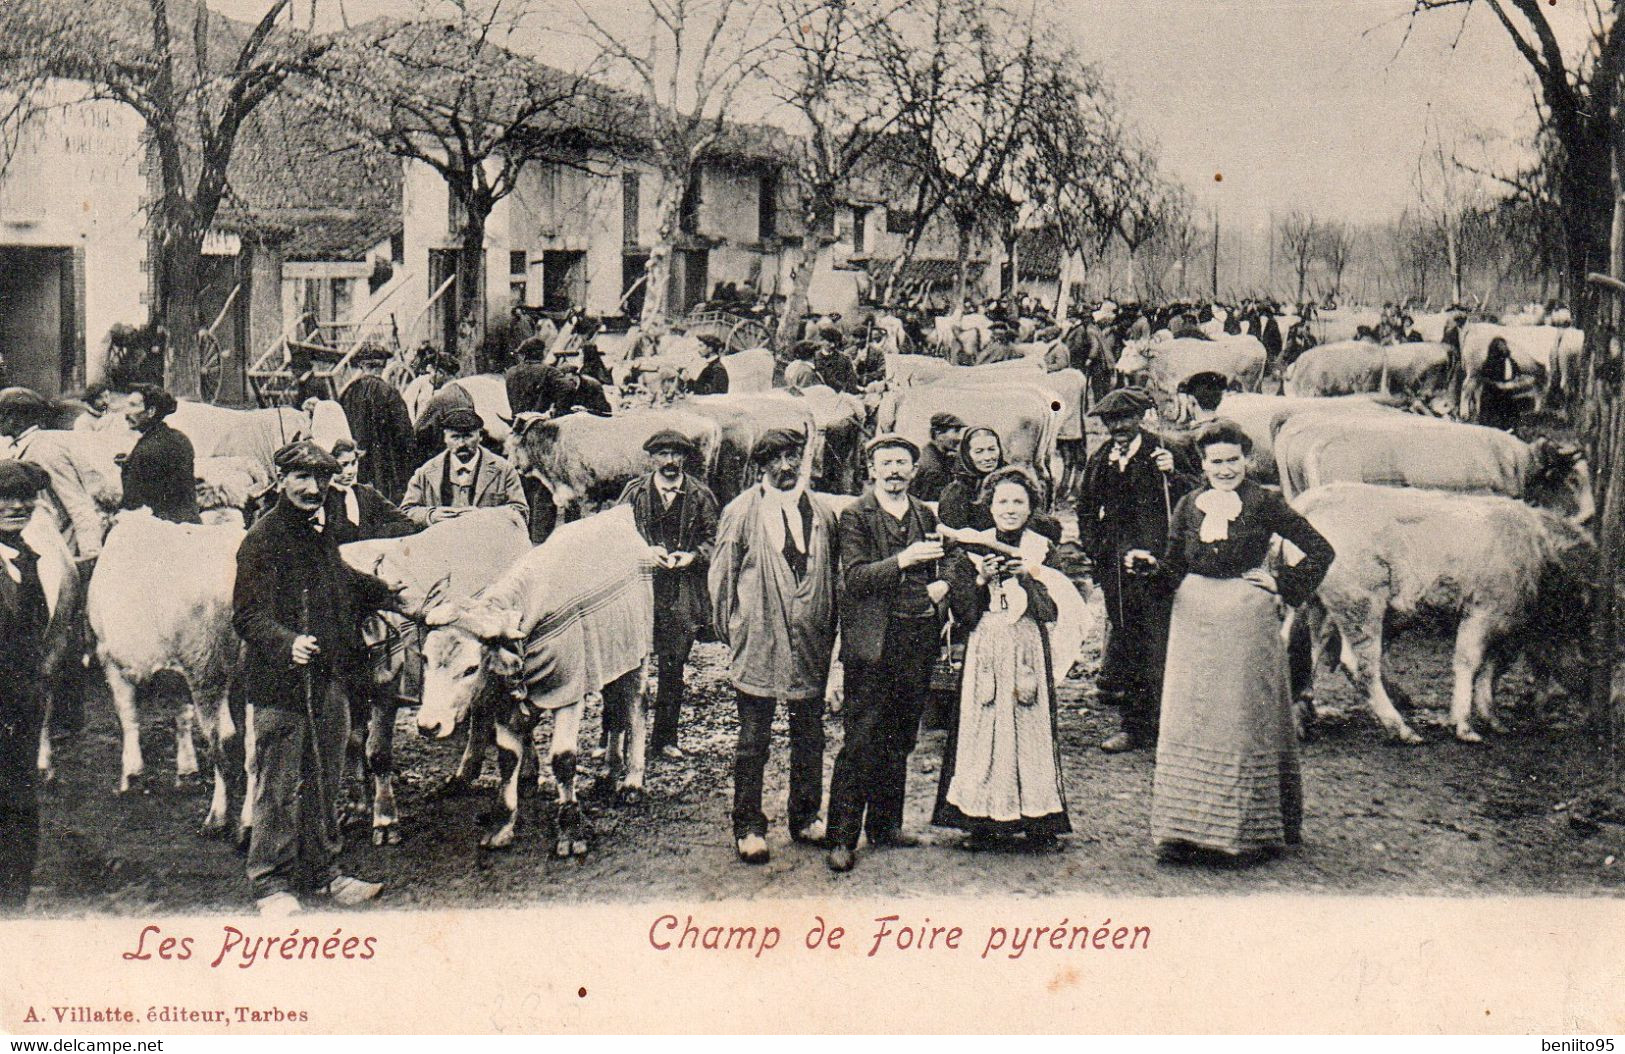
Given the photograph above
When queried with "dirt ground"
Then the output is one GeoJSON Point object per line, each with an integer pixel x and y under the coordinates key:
{"type": "Point", "coordinates": [1446, 818]}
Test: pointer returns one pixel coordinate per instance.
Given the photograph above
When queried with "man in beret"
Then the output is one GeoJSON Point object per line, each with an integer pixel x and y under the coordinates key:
{"type": "Point", "coordinates": [24, 615]}
{"type": "Point", "coordinates": [298, 608]}
{"type": "Point", "coordinates": [676, 514]}
{"type": "Point", "coordinates": [160, 470]}
{"type": "Point", "coordinates": [936, 466]}
{"type": "Point", "coordinates": [463, 476]}
{"type": "Point", "coordinates": [713, 379]}
{"type": "Point", "coordinates": [773, 596]}
{"type": "Point", "coordinates": [1130, 486]}
{"type": "Point", "coordinates": [891, 623]}
{"type": "Point", "coordinates": [379, 422]}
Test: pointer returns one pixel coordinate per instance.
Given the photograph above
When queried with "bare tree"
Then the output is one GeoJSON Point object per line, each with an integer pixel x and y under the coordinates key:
{"type": "Point", "coordinates": [825, 75]}
{"type": "Point", "coordinates": [444, 90]}
{"type": "Point", "coordinates": [1166, 257]}
{"type": "Point", "coordinates": [1299, 235]}
{"type": "Point", "coordinates": [1335, 248]}
{"type": "Point", "coordinates": [690, 61]}
{"type": "Point", "coordinates": [1448, 188]}
{"type": "Point", "coordinates": [194, 78]}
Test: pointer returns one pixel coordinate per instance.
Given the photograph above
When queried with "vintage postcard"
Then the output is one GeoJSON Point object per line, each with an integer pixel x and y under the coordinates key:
{"type": "Point", "coordinates": [810, 515]}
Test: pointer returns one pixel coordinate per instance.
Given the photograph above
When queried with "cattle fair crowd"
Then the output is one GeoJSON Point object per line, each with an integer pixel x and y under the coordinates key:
{"type": "Point", "coordinates": [934, 552]}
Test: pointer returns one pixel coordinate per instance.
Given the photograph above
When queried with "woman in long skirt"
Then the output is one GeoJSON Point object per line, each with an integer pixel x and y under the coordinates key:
{"type": "Point", "coordinates": [1001, 775]}
{"type": "Point", "coordinates": [1227, 778]}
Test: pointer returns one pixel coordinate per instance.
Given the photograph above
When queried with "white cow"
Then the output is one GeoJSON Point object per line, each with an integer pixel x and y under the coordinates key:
{"type": "Point", "coordinates": [160, 600]}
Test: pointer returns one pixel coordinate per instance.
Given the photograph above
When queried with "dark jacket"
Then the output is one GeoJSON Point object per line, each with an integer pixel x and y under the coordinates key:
{"type": "Point", "coordinates": [160, 473]}
{"type": "Point", "coordinates": [380, 517]}
{"type": "Point", "coordinates": [292, 580]}
{"type": "Point", "coordinates": [870, 575]}
{"type": "Point", "coordinates": [682, 599]}
{"type": "Point", "coordinates": [837, 371]}
{"type": "Point", "coordinates": [713, 380]}
{"type": "Point", "coordinates": [24, 618]}
{"type": "Point", "coordinates": [1265, 515]}
{"type": "Point", "coordinates": [530, 387]}
{"type": "Point", "coordinates": [586, 394]}
{"type": "Point", "coordinates": [382, 427]}
{"type": "Point", "coordinates": [935, 470]}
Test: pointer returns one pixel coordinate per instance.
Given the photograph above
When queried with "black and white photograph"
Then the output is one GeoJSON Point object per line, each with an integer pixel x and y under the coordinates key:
{"type": "Point", "coordinates": [536, 454]}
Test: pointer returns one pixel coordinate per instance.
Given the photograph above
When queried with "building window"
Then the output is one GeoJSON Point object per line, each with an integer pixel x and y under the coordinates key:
{"type": "Point", "coordinates": [630, 208]}
{"type": "Point", "coordinates": [564, 280]}
{"type": "Point", "coordinates": [860, 221]}
{"type": "Point", "coordinates": [517, 262]}
{"type": "Point", "coordinates": [767, 207]}
{"type": "Point", "coordinates": [898, 221]}
{"type": "Point", "coordinates": [342, 293]}
{"type": "Point", "coordinates": [455, 214]}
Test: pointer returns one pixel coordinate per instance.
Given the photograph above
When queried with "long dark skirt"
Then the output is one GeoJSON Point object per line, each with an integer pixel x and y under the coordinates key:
{"type": "Point", "coordinates": [1227, 753]}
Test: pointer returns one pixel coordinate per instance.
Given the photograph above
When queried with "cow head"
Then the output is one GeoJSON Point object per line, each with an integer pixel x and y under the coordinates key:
{"type": "Point", "coordinates": [1560, 479]}
{"type": "Point", "coordinates": [532, 434]}
{"type": "Point", "coordinates": [465, 654]}
{"type": "Point", "coordinates": [1559, 629]}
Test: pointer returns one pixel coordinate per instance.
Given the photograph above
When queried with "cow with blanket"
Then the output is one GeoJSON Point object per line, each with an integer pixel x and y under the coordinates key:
{"type": "Point", "coordinates": [571, 622]}
{"type": "Point", "coordinates": [449, 563]}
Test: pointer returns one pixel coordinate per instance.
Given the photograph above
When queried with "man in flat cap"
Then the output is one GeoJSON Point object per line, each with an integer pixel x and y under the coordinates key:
{"type": "Point", "coordinates": [160, 472]}
{"type": "Point", "coordinates": [463, 476]}
{"type": "Point", "coordinates": [1130, 486]}
{"type": "Point", "coordinates": [379, 422]}
{"type": "Point", "coordinates": [298, 607]}
{"type": "Point", "coordinates": [713, 379]}
{"type": "Point", "coordinates": [773, 596]}
{"type": "Point", "coordinates": [936, 466]}
{"type": "Point", "coordinates": [891, 625]}
{"type": "Point", "coordinates": [24, 615]}
{"type": "Point", "coordinates": [676, 514]}
{"type": "Point", "coordinates": [447, 395]}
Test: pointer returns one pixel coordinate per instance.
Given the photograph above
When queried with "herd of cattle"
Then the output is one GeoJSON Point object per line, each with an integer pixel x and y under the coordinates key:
{"type": "Point", "coordinates": [1426, 514]}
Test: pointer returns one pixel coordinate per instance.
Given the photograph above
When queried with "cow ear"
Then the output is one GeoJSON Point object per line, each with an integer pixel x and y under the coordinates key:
{"type": "Point", "coordinates": [442, 614]}
{"type": "Point", "coordinates": [506, 661]}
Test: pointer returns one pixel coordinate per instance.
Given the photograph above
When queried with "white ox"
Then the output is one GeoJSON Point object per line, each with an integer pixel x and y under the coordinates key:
{"type": "Point", "coordinates": [750, 370]}
{"type": "Point", "coordinates": [572, 621]}
{"type": "Point", "coordinates": [587, 458]}
{"type": "Point", "coordinates": [1352, 366]}
{"type": "Point", "coordinates": [1024, 416]}
{"type": "Point", "coordinates": [1511, 576]}
{"type": "Point", "coordinates": [160, 600]}
{"type": "Point", "coordinates": [1164, 365]}
{"type": "Point", "coordinates": [1550, 354]}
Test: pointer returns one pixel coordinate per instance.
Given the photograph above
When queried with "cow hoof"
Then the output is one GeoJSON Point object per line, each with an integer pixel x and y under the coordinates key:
{"type": "Point", "coordinates": [137, 783]}
{"type": "Point", "coordinates": [47, 776]}
{"type": "Point", "coordinates": [561, 848]}
{"type": "Point", "coordinates": [386, 836]}
{"type": "Point", "coordinates": [1495, 724]}
{"type": "Point", "coordinates": [1467, 735]}
{"type": "Point", "coordinates": [496, 843]}
{"type": "Point", "coordinates": [244, 834]}
{"type": "Point", "coordinates": [629, 795]}
{"type": "Point", "coordinates": [578, 848]}
{"type": "Point", "coordinates": [212, 827]}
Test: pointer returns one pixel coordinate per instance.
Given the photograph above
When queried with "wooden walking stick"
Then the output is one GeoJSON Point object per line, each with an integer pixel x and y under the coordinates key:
{"type": "Point", "coordinates": [309, 678]}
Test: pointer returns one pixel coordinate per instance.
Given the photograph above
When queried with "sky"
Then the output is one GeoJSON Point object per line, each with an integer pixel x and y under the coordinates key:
{"type": "Point", "coordinates": [1320, 105]}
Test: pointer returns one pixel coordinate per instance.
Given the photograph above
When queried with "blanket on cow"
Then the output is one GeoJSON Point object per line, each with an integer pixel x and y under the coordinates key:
{"type": "Point", "coordinates": [582, 601]}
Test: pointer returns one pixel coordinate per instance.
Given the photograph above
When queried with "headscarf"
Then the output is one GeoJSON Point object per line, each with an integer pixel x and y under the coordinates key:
{"type": "Point", "coordinates": [964, 467]}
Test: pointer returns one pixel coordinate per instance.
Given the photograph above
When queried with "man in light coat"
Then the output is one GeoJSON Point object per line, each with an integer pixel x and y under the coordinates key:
{"type": "Point", "coordinates": [463, 476]}
{"type": "Point", "coordinates": [773, 578]}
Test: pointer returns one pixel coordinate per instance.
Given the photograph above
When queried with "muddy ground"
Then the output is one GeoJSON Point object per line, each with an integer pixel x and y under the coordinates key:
{"type": "Point", "coordinates": [1445, 818]}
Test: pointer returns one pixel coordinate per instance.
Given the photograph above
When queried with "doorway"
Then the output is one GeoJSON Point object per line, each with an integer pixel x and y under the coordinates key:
{"type": "Point", "coordinates": [39, 318]}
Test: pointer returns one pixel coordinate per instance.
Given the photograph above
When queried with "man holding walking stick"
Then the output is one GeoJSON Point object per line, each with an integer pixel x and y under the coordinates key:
{"type": "Point", "coordinates": [1130, 486]}
{"type": "Point", "coordinates": [298, 607]}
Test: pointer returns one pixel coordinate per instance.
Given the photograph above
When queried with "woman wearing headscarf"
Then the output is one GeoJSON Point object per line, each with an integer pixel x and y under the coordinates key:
{"type": "Point", "coordinates": [1227, 779]}
{"type": "Point", "coordinates": [1001, 772]}
{"type": "Point", "coordinates": [981, 453]}
{"type": "Point", "coordinates": [1504, 388]}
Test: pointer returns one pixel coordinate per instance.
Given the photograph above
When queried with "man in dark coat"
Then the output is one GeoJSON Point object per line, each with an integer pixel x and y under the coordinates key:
{"type": "Point", "coordinates": [834, 366]}
{"type": "Point", "coordinates": [531, 381]}
{"type": "Point", "coordinates": [1130, 486]}
{"type": "Point", "coordinates": [572, 391]}
{"type": "Point", "coordinates": [936, 466]}
{"type": "Point", "coordinates": [677, 515]}
{"type": "Point", "coordinates": [356, 512]}
{"type": "Point", "coordinates": [24, 615]}
{"type": "Point", "coordinates": [890, 628]}
{"type": "Point", "coordinates": [713, 379]}
{"type": "Point", "coordinates": [298, 608]}
{"type": "Point", "coordinates": [380, 424]}
{"type": "Point", "coordinates": [160, 470]}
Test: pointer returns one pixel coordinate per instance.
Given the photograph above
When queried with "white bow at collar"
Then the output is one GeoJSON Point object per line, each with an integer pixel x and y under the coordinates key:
{"type": "Point", "coordinates": [1218, 507]}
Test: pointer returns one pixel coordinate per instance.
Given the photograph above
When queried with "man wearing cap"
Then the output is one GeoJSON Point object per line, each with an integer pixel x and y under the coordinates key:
{"type": "Point", "coordinates": [773, 601]}
{"type": "Point", "coordinates": [834, 366]}
{"type": "Point", "coordinates": [463, 476]}
{"type": "Point", "coordinates": [448, 396]}
{"type": "Point", "coordinates": [677, 515]}
{"type": "Point", "coordinates": [25, 416]}
{"type": "Point", "coordinates": [572, 391]}
{"type": "Point", "coordinates": [713, 379]}
{"type": "Point", "coordinates": [298, 607]}
{"type": "Point", "coordinates": [159, 473]}
{"type": "Point", "coordinates": [891, 624]}
{"type": "Point", "coordinates": [936, 466]}
{"type": "Point", "coordinates": [379, 422]}
{"type": "Point", "coordinates": [1130, 486]}
{"type": "Point", "coordinates": [531, 381]}
{"type": "Point", "coordinates": [24, 615]}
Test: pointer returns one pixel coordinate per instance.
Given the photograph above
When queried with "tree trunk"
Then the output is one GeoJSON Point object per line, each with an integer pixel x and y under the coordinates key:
{"type": "Point", "coordinates": [1063, 295]}
{"type": "Point", "coordinates": [669, 215]}
{"type": "Point", "coordinates": [471, 305]}
{"type": "Point", "coordinates": [961, 264]}
{"type": "Point", "coordinates": [181, 270]}
{"type": "Point", "coordinates": [804, 266]}
{"type": "Point", "coordinates": [910, 248]}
